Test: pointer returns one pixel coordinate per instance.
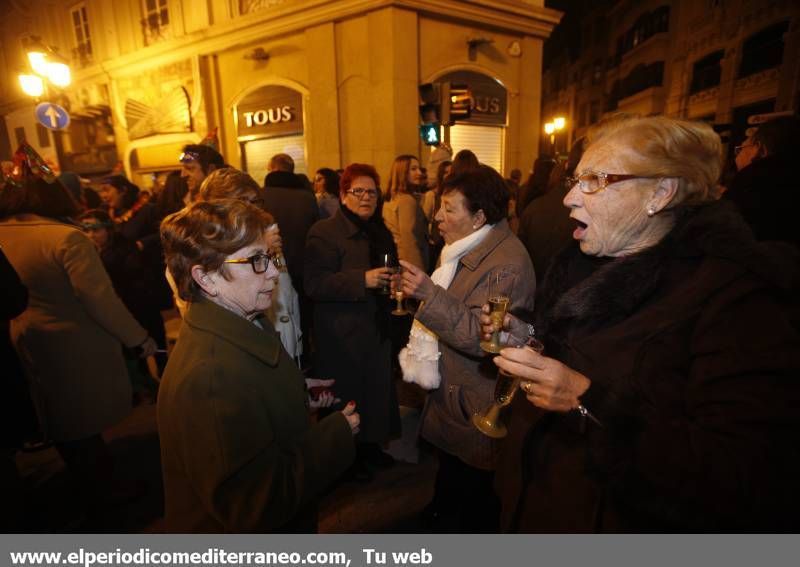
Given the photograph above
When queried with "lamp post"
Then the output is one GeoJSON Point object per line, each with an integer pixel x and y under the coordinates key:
{"type": "Point", "coordinates": [552, 129]}
{"type": "Point", "coordinates": [46, 67]}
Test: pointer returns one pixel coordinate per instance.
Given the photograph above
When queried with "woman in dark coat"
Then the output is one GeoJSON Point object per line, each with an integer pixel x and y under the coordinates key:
{"type": "Point", "coordinates": [136, 219]}
{"type": "Point", "coordinates": [238, 451]}
{"type": "Point", "coordinates": [666, 399]}
{"type": "Point", "coordinates": [351, 321]}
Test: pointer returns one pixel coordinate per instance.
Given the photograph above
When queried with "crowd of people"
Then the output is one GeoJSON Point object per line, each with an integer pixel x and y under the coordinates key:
{"type": "Point", "coordinates": [666, 396]}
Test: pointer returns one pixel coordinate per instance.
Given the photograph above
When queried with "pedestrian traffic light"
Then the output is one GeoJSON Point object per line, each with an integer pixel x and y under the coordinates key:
{"type": "Point", "coordinates": [429, 110]}
{"type": "Point", "coordinates": [460, 102]}
{"type": "Point", "coordinates": [444, 103]}
{"type": "Point", "coordinates": [431, 133]}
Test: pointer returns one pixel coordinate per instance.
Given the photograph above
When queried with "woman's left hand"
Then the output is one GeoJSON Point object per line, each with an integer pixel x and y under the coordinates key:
{"type": "Point", "coordinates": [326, 399]}
{"type": "Point", "coordinates": [416, 282]}
{"type": "Point", "coordinates": [547, 383]}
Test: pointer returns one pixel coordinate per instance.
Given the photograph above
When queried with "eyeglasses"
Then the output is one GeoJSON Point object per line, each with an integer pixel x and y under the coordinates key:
{"type": "Point", "coordinates": [738, 149]}
{"type": "Point", "coordinates": [189, 156]}
{"type": "Point", "coordinates": [259, 262]}
{"type": "Point", "coordinates": [359, 192]}
{"type": "Point", "coordinates": [592, 182]}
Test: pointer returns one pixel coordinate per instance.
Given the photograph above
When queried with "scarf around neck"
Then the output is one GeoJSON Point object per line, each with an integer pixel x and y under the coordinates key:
{"type": "Point", "coordinates": [419, 360]}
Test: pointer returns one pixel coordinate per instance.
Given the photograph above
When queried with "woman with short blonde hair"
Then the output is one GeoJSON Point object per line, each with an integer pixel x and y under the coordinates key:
{"type": "Point", "coordinates": [666, 397]}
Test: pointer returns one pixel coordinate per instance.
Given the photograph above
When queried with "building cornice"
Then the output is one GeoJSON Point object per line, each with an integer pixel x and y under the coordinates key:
{"type": "Point", "coordinates": [512, 17]}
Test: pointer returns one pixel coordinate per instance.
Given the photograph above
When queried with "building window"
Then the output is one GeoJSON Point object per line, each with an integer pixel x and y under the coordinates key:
{"type": "Point", "coordinates": [80, 30]}
{"type": "Point", "coordinates": [707, 72]}
{"type": "Point", "coordinates": [763, 50]}
{"type": "Point", "coordinates": [643, 77]}
{"type": "Point", "coordinates": [155, 20]}
{"type": "Point", "coordinates": [646, 26]}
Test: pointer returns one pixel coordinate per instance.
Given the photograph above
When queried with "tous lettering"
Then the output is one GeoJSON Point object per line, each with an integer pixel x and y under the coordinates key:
{"type": "Point", "coordinates": [270, 116]}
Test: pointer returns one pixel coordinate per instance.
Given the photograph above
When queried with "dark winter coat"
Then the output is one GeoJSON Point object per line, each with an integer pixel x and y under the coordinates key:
{"type": "Point", "coordinates": [767, 193]}
{"type": "Point", "coordinates": [693, 363]}
{"type": "Point", "coordinates": [352, 324]}
{"type": "Point", "coordinates": [238, 451]}
{"type": "Point", "coordinates": [295, 209]}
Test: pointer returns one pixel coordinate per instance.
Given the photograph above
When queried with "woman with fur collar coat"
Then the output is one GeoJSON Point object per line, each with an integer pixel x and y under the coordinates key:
{"type": "Point", "coordinates": [667, 397]}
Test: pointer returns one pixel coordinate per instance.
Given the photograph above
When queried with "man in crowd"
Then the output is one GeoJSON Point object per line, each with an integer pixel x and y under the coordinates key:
{"type": "Point", "coordinates": [765, 187]}
{"type": "Point", "coordinates": [197, 162]}
{"type": "Point", "coordinates": [295, 209]}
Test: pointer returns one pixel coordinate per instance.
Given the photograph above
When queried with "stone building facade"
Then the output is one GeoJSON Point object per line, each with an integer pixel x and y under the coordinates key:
{"type": "Point", "coordinates": [330, 82]}
{"type": "Point", "coordinates": [721, 61]}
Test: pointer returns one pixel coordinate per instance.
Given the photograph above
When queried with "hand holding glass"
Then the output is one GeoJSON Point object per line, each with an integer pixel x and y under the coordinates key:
{"type": "Point", "coordinates": [506, 385]}
{"type": "Point", "coordinates": [500, 289]}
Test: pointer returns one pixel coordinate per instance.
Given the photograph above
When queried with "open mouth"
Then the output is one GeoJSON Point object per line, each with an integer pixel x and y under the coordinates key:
{"type": "Point", "coordinates": [580, 230]}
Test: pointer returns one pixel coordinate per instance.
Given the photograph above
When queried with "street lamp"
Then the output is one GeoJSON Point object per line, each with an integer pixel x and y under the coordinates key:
{"type": "Point", "coordinates": [46, 66]}
{"type": "Point", "coordinates": [32, 85]}
{"type": "Point", "coordinates": [552, 128]}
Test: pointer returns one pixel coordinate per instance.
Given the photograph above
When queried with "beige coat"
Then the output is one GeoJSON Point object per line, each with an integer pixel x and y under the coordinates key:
{"type": "Point", "coordinates": [404, 218]}
{"type": "Point", "coordinates": [69, 337]}
{"type": "Point", "coordinates": [468, 374]}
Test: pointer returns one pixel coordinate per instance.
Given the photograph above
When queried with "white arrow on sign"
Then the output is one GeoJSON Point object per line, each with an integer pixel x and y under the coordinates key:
{"type": "Point", "coordinates": [52, 114]}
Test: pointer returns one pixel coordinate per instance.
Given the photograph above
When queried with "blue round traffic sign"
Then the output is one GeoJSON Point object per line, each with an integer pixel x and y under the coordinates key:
{"type": "Point", "coordinates": [52, 116]}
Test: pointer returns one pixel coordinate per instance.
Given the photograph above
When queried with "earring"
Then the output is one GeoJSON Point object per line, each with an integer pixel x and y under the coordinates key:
{"type": "Point", "coordinates": [651, 210]}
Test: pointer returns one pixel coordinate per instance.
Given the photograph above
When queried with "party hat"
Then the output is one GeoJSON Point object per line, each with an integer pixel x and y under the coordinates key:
{"type": "Point", "coordinates": [211, 140]}
{"type": "Point", "coordinates": [28, 162]}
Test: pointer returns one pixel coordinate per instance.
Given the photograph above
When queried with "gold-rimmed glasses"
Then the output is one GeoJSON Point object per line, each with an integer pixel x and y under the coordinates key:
{"type": "Point", "coordinates": [593, 181]}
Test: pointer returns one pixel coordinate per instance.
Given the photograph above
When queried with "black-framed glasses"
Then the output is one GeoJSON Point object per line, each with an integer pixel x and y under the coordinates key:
{"type": "Point", "coordinates": [592, 182]}
{"type": "Point", "coordinates": [738, 149]}
{"type": "Point", "coordinates": [259, 262]}
{"type": "Point", "coordinates": [359, 192]}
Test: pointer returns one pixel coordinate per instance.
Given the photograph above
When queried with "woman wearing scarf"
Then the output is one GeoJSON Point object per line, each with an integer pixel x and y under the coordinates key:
{"type": "Point", "coordinates": [444, 354]}
{"type": "Point", "coordinates": [351, 321]}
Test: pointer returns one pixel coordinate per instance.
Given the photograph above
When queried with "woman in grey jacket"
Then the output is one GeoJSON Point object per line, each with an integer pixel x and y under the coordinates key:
{"type": "Point", "coordinates": [444, 353]}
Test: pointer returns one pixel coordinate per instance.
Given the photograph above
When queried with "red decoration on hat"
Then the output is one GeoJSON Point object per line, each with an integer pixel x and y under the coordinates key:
{"type": "Point", "coordinates": [28, 162]}
{"type": "Point", "coordinates": [211, 140]}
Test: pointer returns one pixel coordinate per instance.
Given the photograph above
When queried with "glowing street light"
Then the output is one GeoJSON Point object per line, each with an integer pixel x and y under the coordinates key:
{"type": "Point", "coordinates": [559, 122]}
{"type": "Point", "coordinates": [549, 128]}
{"type": "Point", "coordinates": [58, 74]}
{"type": "Point", "coordinates": [38, 61]}
{"type": "Point", "coordinates": [32, 85]}
{"type": "Point", "coordinates": [47, 66]}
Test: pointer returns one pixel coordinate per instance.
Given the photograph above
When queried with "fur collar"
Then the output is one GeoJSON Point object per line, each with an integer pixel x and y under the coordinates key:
{"type": "Point", "coordinates": [615, 288]}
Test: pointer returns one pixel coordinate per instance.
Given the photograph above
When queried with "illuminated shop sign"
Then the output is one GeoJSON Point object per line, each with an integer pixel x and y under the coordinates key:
{"type": "Point", "coordinates": [270, 111]}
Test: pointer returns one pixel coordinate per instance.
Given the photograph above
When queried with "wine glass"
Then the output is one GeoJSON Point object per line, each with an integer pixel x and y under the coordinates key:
{"type": "Point", "coordinates": [387, 261]}
{"type": "Point", "coordinates": [506, 385]}
{"type": "Point", "coordinates": [500, 287]}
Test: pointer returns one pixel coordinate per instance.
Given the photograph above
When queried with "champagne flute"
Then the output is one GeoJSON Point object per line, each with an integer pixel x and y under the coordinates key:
{"type": "Point", "coordinates": [387, 261]}
{"type": "Point", "coordinates": [506, 385]}
{"type": "Point", "coordinates": [400, 310]}
{"type": "Point", "coordinates": [500, 289]}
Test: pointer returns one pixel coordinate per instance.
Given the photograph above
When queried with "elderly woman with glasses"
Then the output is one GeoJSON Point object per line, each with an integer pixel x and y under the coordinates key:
{"type": "Point", "coordinates": [344, 271]}
{"type": "Point", "coordinates": [238, 451]}
{"type": "Point", "coordinates": [666, 397]}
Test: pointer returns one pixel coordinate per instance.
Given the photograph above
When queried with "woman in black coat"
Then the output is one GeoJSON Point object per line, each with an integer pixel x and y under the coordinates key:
{"type": "Point", "coordinates": [666, 399]}
{"type": "Point", "coordinates": [351, 321]}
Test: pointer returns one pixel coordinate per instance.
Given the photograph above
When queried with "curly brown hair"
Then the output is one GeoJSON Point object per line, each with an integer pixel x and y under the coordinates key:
{"type": "Point", "coordinates": [205, 234]}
